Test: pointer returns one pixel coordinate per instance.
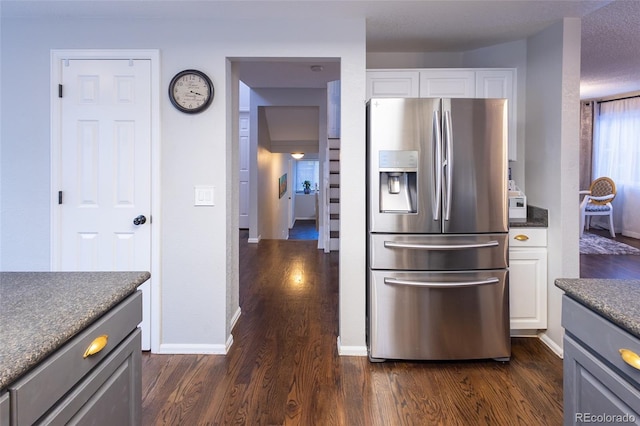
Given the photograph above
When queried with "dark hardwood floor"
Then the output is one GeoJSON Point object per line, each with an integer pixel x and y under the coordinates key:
{"type": "Point", "coordinates": [283, 367]}
{"type": "Point", "coordinates": [611, 266]}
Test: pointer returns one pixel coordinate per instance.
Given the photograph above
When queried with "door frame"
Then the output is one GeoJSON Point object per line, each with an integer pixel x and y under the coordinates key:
{"type": "Point", "coordinates": [59, 55]}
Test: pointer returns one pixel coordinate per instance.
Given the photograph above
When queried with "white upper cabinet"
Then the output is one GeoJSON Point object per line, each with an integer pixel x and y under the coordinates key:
{"type": "Point", "coordinates": [449, 83]}
{"type": "Point", "coordinates": [393, 84]}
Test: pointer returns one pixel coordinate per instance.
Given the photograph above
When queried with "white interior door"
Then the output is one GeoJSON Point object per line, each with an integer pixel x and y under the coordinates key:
{"type": "Point", "coordinates": [105, 169]}
{"type": "Point", "coordinates": [244, 169]}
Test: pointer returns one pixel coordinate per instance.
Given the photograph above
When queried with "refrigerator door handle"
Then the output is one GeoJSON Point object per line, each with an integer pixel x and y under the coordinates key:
{"type": "Point", "coordinates": [448, 163]}
{"type": "Point", "coordinates": [417, 246]}
{"type": "Point", "coordinates": [433, 284]}
{"type": "Point", "coordinates": [436, 145]}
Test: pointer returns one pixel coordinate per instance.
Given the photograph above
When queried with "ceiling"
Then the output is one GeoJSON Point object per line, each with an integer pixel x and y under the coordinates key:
{"type": "Point", "coordinates": [610, 30]}
{"type": "Point", "coordinates": [611, 33]}
{"type": "Point", "coordinates": [610, 61]}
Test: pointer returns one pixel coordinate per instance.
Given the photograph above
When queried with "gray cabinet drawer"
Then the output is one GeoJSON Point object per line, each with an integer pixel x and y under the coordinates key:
{"type": "Point", "coordinates": [39, 390]}
{"type": "Point", "coordinates": [592, 389]}
{"type": "Point", "coordinates": [109, 395]}
{"type": "Point", "coordinates": [603, 337]}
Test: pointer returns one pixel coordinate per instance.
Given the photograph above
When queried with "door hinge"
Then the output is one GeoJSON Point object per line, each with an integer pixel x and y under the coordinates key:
{"type": "Point", "coordinates": [59, 197]}
{"type": "Point", "coordinates": [59, 90]}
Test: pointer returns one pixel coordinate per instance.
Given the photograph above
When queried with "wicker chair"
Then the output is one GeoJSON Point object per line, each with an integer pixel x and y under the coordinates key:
{"type": "Point", "coordinates": [597, 202]}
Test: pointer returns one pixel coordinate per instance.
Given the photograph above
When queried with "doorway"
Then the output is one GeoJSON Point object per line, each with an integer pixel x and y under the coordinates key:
{"type": "Point", "coordinates": [279, 86]}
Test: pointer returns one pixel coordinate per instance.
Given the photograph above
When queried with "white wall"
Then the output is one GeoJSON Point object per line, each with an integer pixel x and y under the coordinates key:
{"type": "Point", "coordinates": [274, 210]}
{"type": "Point", "coordinates": [384, 60]}
{"type": "Point", "coordinates": [199, 267]}
{"type": "Point", "coordinates": [552, 152]}
{"type": "Point", "coordinates": [305, 205]}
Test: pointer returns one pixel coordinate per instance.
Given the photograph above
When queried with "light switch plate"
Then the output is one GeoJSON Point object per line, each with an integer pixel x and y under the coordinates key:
{"type": "Point", "coordinates": [204, 195]}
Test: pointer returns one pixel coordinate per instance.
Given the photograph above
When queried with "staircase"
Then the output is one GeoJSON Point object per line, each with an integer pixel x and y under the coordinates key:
{"type": "Point", "coordinates": [333, 198]}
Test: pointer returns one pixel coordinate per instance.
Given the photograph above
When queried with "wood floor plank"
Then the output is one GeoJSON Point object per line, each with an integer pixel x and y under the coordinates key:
{"type": "Point", "coordinates": [283, 367]}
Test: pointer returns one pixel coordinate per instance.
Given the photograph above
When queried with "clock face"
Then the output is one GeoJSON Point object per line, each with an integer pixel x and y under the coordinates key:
{"type": "Point", "coordinates": [191, 91]}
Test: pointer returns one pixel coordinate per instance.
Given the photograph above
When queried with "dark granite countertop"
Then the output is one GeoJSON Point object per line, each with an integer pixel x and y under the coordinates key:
{"type": "Point", "coordinates": [536, 218]}
{"type": "Point", "coordinates": [40, 311]}
{"type": "Point", "coordinates": [616, 300]}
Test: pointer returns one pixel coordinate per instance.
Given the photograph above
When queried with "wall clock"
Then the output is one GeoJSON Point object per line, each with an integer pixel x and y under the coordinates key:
{"type": "Point", "coordinates": [191, 91]}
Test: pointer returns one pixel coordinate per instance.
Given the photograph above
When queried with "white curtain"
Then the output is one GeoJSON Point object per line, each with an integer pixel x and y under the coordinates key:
{"type": "Point", "coordinates": [616, 154]}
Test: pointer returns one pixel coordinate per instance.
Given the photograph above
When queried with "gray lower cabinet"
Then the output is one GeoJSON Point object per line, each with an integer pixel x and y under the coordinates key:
{"type": "Point", "coordinates": [599, 386]}
{"type": "Point", "coordinates": [73, 387]}
{"type": "Point", "coordinates": [4, 409]}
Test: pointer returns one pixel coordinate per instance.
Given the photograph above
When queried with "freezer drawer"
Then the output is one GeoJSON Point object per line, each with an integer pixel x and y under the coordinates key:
{"type": "Point", "coordinates": [438, 252]}
{"type": "Point", "coordinates": [438, 316]}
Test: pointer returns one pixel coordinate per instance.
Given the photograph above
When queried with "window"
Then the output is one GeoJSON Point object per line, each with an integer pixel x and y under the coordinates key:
{"type": "Point", "coordinates": [616, 154]}
{"type": "Point", "coordinates": [307, 170]}
{"type": "Point", "coordinates": [616, 143]}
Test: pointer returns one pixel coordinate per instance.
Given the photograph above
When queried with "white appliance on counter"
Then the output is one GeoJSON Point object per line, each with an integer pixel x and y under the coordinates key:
{"type": "Point", "coordinates": [517, 203]}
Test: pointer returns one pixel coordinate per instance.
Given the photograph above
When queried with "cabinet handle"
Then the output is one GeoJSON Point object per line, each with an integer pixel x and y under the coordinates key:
{"type": "Point", "coordinates": [521, 237]}
{"type": "Point", "coordinates": [630, 358]}
{"type": "Point", "coordinates": [96, 346]}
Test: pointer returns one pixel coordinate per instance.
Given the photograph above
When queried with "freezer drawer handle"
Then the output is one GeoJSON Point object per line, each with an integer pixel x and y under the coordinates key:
{"type": "Point", "coordinates": [429, 284]}
{"type": "Point", "coordinates": [392, 244]}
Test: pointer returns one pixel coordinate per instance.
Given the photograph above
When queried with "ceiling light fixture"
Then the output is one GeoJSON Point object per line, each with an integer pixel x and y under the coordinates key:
{"type": "Point", "coordinates": [297, 155]}
{"type": "Point", "coordinates": [316, 68]}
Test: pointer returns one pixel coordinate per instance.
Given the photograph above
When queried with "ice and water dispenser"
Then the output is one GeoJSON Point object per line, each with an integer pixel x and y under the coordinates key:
{"type": "Point", "coordinates": [398, 181]}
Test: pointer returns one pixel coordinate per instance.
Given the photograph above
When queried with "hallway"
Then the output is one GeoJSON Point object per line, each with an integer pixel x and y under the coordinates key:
{"type": "Point", "coordinates": [283, 367]}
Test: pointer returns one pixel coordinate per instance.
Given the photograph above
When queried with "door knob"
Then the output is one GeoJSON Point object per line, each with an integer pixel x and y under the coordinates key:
{"type": "Point", "coordinates": [140, 220]}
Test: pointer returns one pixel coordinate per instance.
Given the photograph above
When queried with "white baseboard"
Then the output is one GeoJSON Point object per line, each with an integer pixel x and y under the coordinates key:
{"type": "Point", "coordinates": [235, 318]}
{"type": "Point", "coordinates": [228, 344]}
{"type": "Point", "coordinates": [185, 349]}
{"type": "Point", "coordinates": [630, 234]}
{"type": "Point", "coordinates": [254, 240]}
{"type": "Point", "coordinates": [351, 350]}
{"type": "Point", "coordinates": [552, 345]}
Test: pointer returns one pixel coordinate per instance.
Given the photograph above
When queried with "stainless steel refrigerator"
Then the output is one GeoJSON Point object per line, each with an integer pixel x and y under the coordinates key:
{"type": "Point", "coordinates": [437, 222]}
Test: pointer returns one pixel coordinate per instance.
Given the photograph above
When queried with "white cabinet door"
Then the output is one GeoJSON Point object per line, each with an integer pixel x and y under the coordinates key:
{"type": "Point", "coordinates": [528, 288]}
{"type": "Point", "coordinates": [393, 84]}
{"type": "Point", "coordinates": [498, 83]}
{"type": "Point", "coordinates": [447, 83]}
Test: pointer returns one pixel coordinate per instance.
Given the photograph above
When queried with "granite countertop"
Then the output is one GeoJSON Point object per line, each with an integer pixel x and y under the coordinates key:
{"type": "Point", "coordinates": [616, 300]}
{"type": "Point", "coordinates": [40, 311]}
{"type": "Point", "coordinates": [536, 218]}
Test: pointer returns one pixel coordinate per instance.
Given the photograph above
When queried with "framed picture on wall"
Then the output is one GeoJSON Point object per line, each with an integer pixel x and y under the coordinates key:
{"type": "Point", "coordinates": [282, 185]}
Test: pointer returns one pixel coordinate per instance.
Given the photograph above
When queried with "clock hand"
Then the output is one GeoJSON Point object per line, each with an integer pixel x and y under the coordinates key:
{"type": "Point", "coordinates": [196, 93]}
